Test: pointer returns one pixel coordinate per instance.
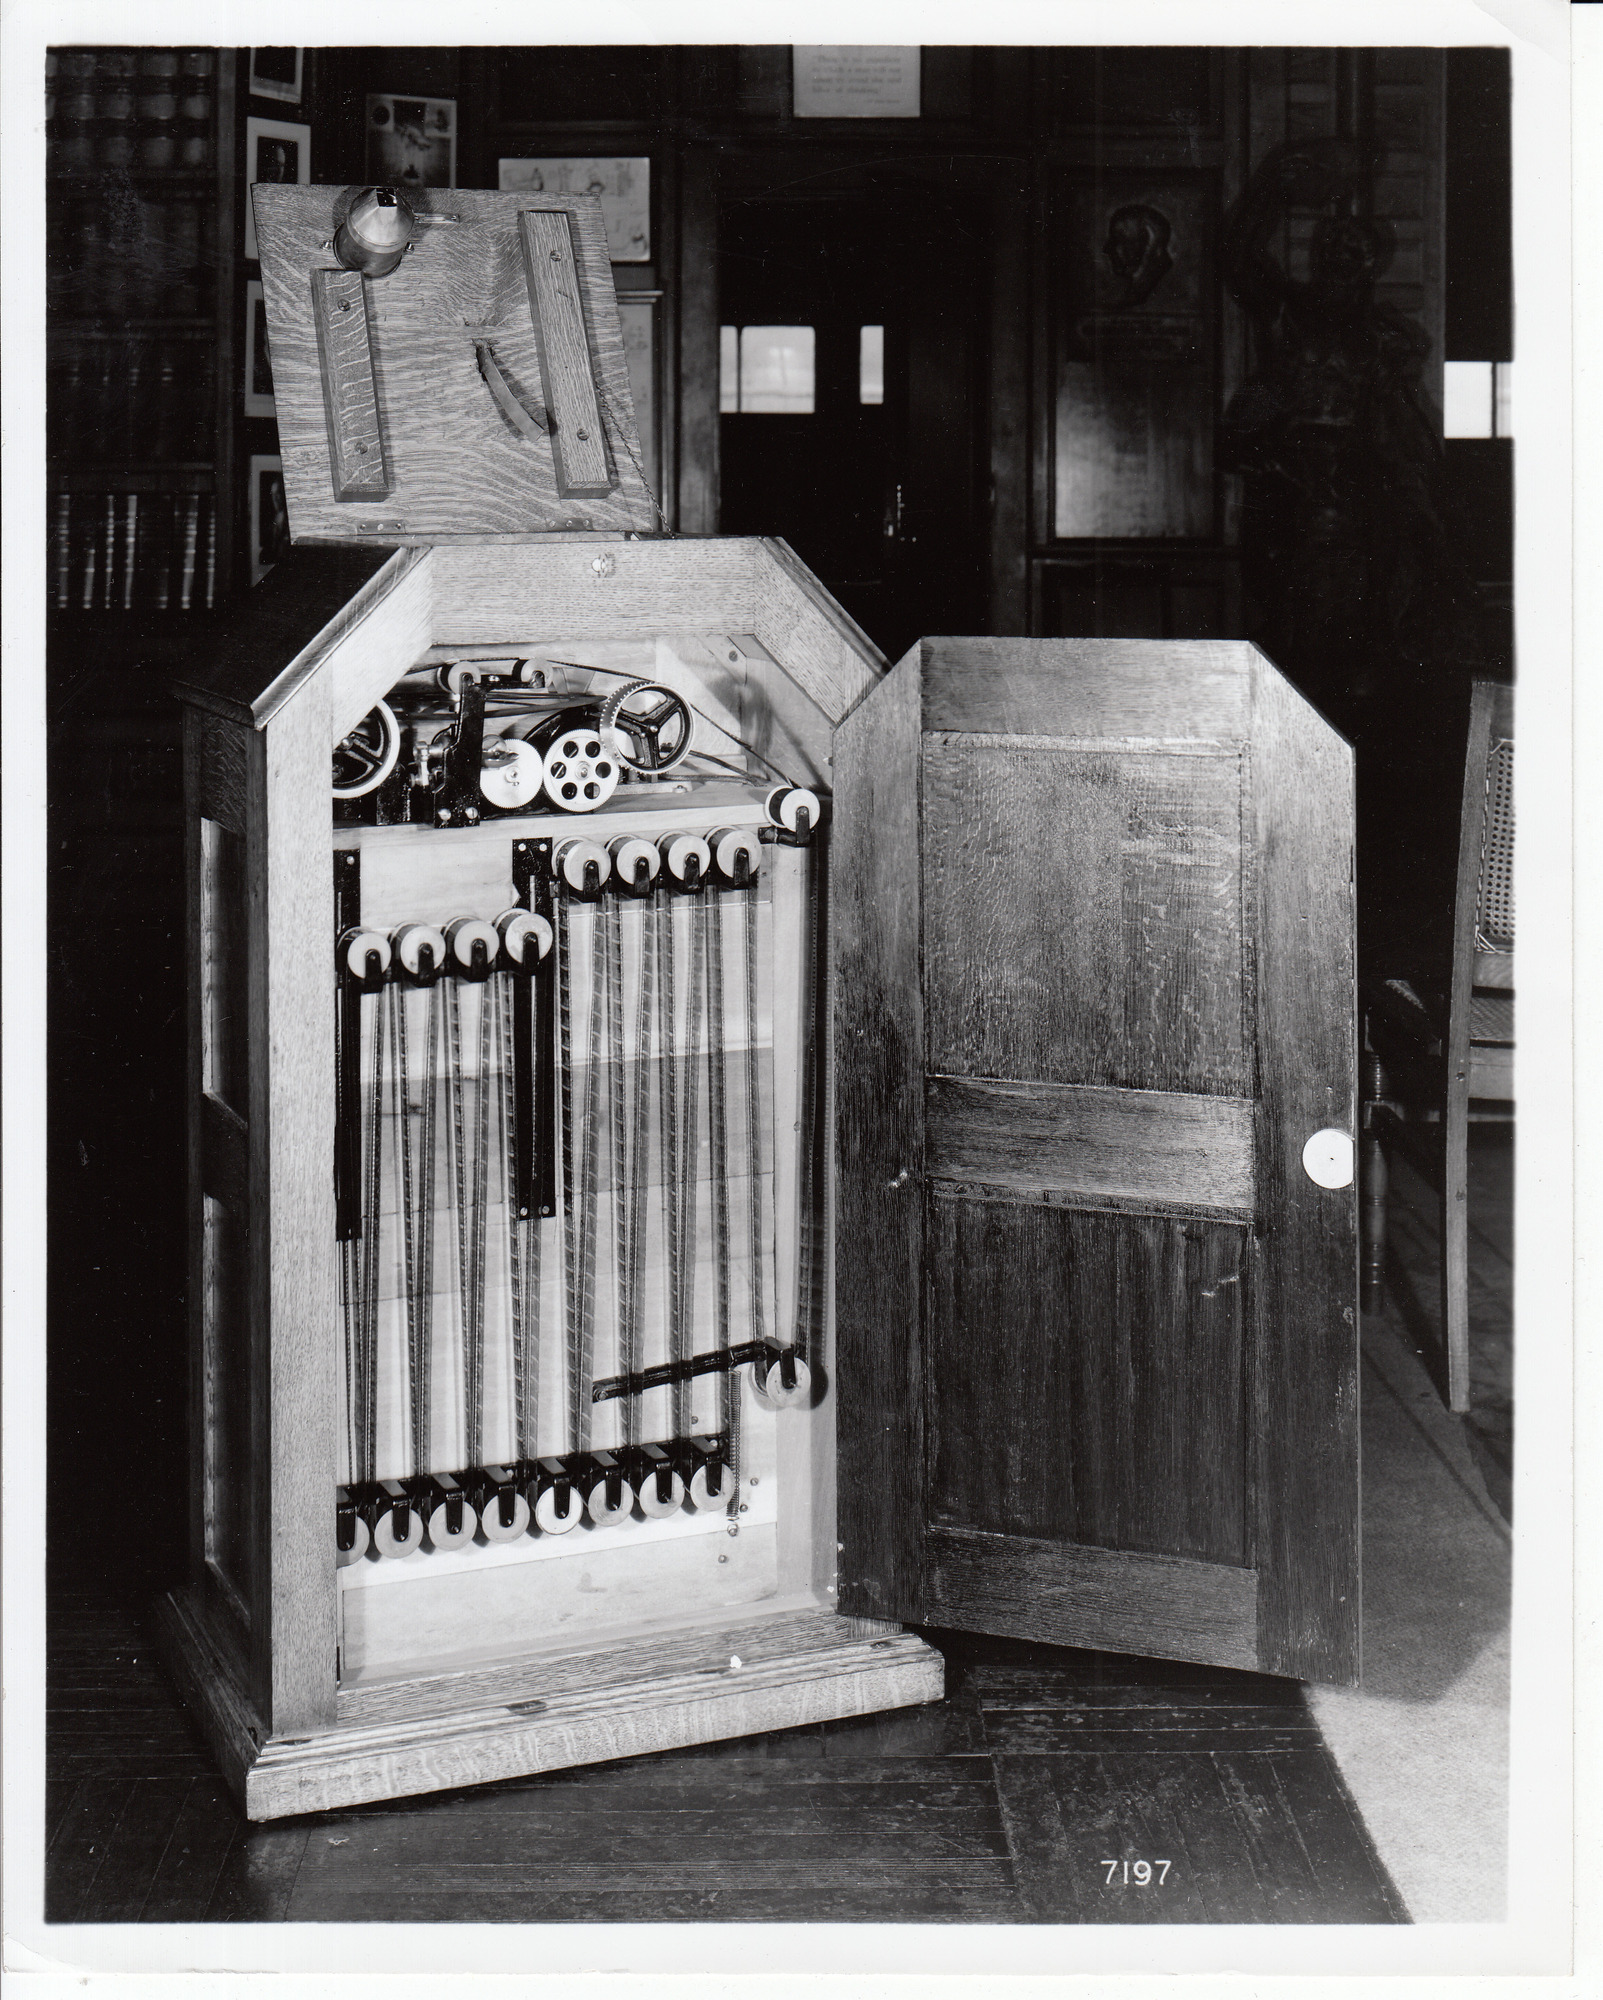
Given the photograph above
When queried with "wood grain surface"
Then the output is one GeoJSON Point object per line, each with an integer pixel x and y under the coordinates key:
{"type": "Point", "coordinates": [1137, 1146]}
{"type": "Point", "coordinates": [879, 1149]}
{"type": "Point", "coordinates": [1083, 915]}
{"type": "Point", "coordinates": [1303, 1385]}
{"type": "Point", "coordinates": [455, 465]}
{"type": "Point", "coordinates": [1084, 1379]}
{"type": "Point", "coordinates": [368, 656]}
{"type": "Point", "coordinates": [1088, 688]}
{"type": "Point", "coordinates": [578, 444]}
{"type": "Point", "coordinates": [1071, 1596]}
{"type": "Point", "coordinates": [350, 400]}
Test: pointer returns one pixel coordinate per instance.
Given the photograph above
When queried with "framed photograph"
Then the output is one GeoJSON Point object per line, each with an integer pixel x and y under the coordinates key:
{"type": "Point", "coordinates": [277, 73]}
{"type": "Point", "coordinates": [258, 361]}
{"type": "Point", "coordinates": [274, 152]}
{"type": "Point", "coordinates": [411, 141]}
{"type": "Point", "coordinates": [623, 185]}
{"type": "Point", "coordinates": [269, 514]}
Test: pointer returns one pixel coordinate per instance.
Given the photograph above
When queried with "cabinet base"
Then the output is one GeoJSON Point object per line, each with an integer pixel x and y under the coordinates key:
{"type": "Point", "coordinates": [802, 1672]}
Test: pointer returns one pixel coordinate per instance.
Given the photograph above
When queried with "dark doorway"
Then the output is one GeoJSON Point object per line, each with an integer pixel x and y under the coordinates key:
{"type": "Point", "coordinates": [852, 403]}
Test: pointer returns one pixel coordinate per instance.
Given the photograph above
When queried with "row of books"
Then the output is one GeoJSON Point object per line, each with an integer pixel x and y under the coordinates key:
{"type": "Point", "coordinates": [135, 257]}
{"type": "Point", "coordinates": [130, 399]}
{"type": "Point", "coordinates": [133, 551]}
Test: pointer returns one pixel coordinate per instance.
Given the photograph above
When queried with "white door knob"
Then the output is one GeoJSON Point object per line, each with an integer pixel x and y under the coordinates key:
{"type": "Point", "coordinates": [1327, 1159]}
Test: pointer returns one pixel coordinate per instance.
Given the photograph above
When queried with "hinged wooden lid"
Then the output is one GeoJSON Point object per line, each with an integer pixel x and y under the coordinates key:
{"type": "Point", "coordinates": [478, 389]}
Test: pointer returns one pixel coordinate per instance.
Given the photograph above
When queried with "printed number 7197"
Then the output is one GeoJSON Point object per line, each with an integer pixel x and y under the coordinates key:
{"type": "Point", "coordinates": [1139, 1872]}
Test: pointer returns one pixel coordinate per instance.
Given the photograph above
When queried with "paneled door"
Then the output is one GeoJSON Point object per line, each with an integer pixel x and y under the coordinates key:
{"type": "Point", "coordinates": [1096, 1226]}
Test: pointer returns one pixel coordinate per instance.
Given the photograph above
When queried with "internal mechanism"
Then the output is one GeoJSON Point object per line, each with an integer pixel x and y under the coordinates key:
{"type": "Point", "coordinates": [556, 1194]}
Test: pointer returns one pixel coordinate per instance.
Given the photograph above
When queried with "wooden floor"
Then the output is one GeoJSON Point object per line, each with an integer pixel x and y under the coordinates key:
{"type": "Point", "coordinates": [1003, 1804]}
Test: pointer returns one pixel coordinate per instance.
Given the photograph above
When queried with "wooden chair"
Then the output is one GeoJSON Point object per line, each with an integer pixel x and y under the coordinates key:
{"type": "Point", "coordinates": [1435, 1059]}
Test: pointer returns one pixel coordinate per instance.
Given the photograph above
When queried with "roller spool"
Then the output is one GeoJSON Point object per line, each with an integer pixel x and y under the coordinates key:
{"type": "Point", "coordinates": [448, 1516]}
{"type": "Point", "coordinates": [473, 946]}
{"type": "Point", "coordinates": [399, 1528]}
{"type": "Point", "coordinates": [366, 757]}
{"type": "Point", "coordinates": [526, 937]}
{"type": "Point", "coordinates": [558, 1504]}
{"type": "Point", "coordinates": [419, 952]}
{"type": "Point", "coordinates": [580, 771]}
{"type": "Point", "coordinates": [782, 1382]}
{"type": "Point", "coordinates": [628, 852]}
{"type": "Point", "coordinates": [358, 951]}
{"type": "Point", "coordinates": [661, 1490]}
{"type": "Point", "coordinates": [608, 1497]}
{"type": "Point", "coordinates": [702, 1496]}
{"type": "Point", "coordinates": [686, 858]}
{"type": "Point", "coordinates": [351, 1537]}
{"type": "Point", "coordinates": [648, 727]}
{"type": "Point", "coordinates": [503, 1511]}
{"type": "Point", "coordinates": [573, 861]}
{"type": "Point", "coordinates": [786, 804]}
{"type": "Point", "coordinates": [511, 773]}
{"type": "Point", "coordinates": [728, 846]}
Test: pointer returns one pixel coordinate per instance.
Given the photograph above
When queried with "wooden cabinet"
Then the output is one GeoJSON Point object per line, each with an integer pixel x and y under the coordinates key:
{"type": "Point", "coordinates": [895, 1212]}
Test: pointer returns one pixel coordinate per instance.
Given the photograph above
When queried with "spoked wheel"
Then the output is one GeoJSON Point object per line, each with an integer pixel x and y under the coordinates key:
{"type": "Point", "coordinates": [365, 758]}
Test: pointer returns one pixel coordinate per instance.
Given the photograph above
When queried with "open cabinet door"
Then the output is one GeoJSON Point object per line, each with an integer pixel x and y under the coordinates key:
{"type": "Point", "coordinates": [1096, 1274]}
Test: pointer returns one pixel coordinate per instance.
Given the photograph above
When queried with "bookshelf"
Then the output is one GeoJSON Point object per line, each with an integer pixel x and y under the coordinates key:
{"type": "Point", "coordinates": [141, 200]}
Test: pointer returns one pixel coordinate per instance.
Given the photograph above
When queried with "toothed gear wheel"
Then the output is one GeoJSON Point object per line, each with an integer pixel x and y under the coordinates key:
{"type": "Point", "coordinates": [648, 726]}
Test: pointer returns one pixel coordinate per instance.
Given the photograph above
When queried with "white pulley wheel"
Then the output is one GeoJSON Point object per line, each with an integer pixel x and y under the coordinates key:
{"type": "Point", "coordinates": [1327, 1158]}
{"type": "Point", "coordinates": [343, 1558]}
{"type": "Point", "coordinates": [677, 850]}
{"type": "Point", "coordinates": [466, 932]}
{"type": "Point", "coordinates": [410, 942]}
{"type": "Point", "coordinates": [574, 856]}
{"type": "Point", "coordinates": [652, 1503]}
{"type": "Point", "coordinates": [441, 1533]}
{"type": "Point", "coordinates": [627, 854]}
{"type": "Point", "coordinates": [367, 756]}
{"type": "Point", "coordinates": [603, 1512]}
{"type": "Point", "coordinates": [581, 771]}
{"type": "Point", "coordinates": [702, 1497]}
{"type": "Point", "coordinates": [786, 804]}
{"type": "Point", "coordinates": [727, 848]}
{"type": "Point", "coordinates": [648, 727]}
{"type": "Point", "coordinates": [388, 1541]}
{"type": "Point", "coordinates": [511, 772]}
{"type": "Point", "coordinates": [767, 1378]}
{"type": "Point", "coordinates": [546, 1517]}
{"type": "Point", "coordinates": [355, 947]}
{"type": "Point", "coordinates": [497, 1530]}
{"type": "Point", "coordinates": [526, 936]}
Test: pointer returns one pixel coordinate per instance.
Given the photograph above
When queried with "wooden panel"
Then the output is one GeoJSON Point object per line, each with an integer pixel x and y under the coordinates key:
{"type": "Point", "coordinates": [350, 400]}
{"type": "Point", "coordinates": [1303, 1394]}
{"type": "Point", "coordinates": [194, 726]}
{"type": "Point", "coordinates": [367, 658]}
{"type": "Point", "coordinates": [578, 444]}
{"type": "Point", "coordinates": [456, 465]}
{"type": "Point", "coordinates": [1083, 915]}
{"type": "Point", "coordinates": [1084, 1379]}
{"type": "Point", "coordinates": [224, 1154]}
{"type": "Point", "coordinates": [485, 596]}
{"type": "Point", "coordinates": [304, 602]}
{"type": "Point", "coordinates": [294, 1316]}
{"type": "Point", "coordinates": [1171, 1609]}
{"type": "Point", "coordinates": [1142, 1147]}
{"type": "Point", "coordinates": [1194, 693]}
{"type": "Point", "coordinates": [220, 771]}
{"type": "Point", "coordinates": [825, 652]}
{"type": "Point", "coordinates": [879, 1140]}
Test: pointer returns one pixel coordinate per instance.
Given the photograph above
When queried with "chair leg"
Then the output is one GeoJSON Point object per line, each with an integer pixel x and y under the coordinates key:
{"type": "Point", "coordinates": [1374, 1179]}
{"type": "Point", "coordinates": [1455, 1243]}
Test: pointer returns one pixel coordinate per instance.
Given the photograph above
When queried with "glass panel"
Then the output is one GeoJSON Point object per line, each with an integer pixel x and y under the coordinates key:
{"type": "Point", "coordinates": [1467, 399]}
{"type": "Point", "coordinates": [871, 364]}
{"type": "Point", "coordinates": [728, 368]}
{"type": "Point", "coordinates": [776, 370]}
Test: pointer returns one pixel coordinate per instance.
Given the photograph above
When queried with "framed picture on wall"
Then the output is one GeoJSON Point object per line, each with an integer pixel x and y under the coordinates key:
{"type": "Point", "coordinates": [274, 152]}
{"type": "Point", "coordinates": [411, 141]}
{"type": "Point", "coordinates": [258, 361]}
{"type": "Point", "coordinates": [269, 514]}
{"type": "Point", "coordinates": [277, 73]}
{"type": "Point", "coordinates": [624, 187]}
